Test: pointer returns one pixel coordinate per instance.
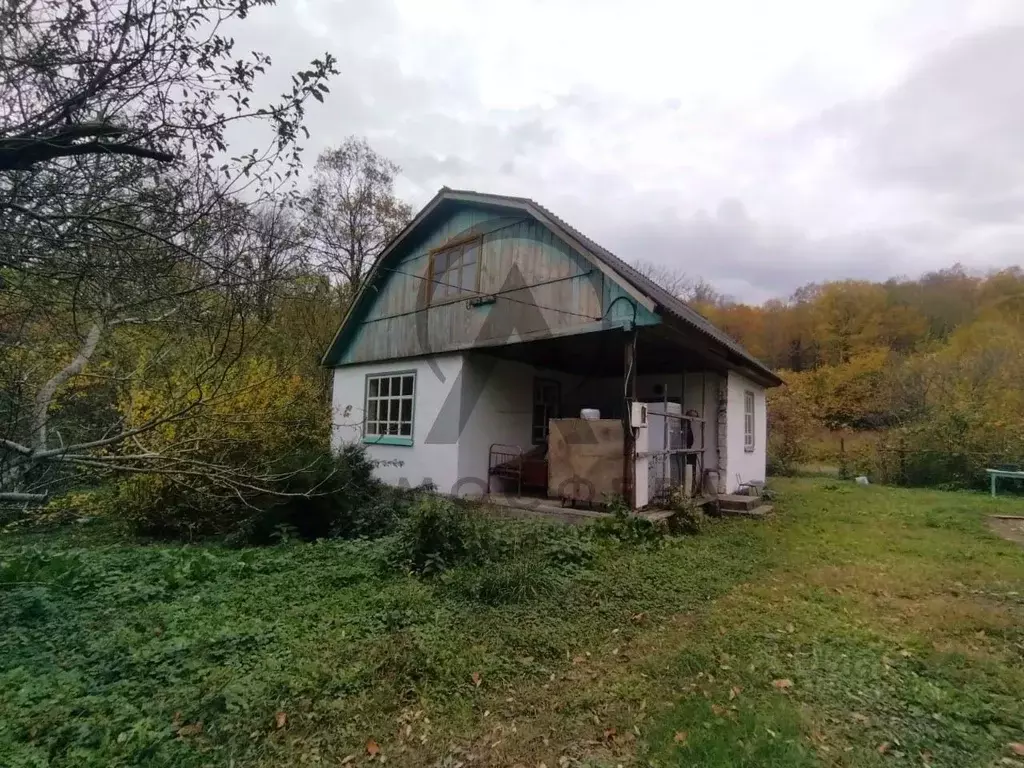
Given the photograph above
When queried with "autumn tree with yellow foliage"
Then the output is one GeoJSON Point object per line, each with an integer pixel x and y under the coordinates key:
{"type": "Point", "coordinates": [925, 377]}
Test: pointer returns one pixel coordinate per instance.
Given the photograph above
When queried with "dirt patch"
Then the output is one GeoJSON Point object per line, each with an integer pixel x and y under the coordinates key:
{"type": "Point", "coordinates": [1008, 528]}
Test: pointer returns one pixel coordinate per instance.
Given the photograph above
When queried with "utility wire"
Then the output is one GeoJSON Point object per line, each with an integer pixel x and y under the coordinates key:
{"type": "Point", "coordinates": [502, 294]}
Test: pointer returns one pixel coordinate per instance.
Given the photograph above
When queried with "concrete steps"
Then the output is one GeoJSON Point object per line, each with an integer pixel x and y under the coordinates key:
{"type": "Point", "coordinates": [758, 513]}
{"type": "Point", "coordinates": [736, 503]}
{"type": "Point", "coordinates": [657, 515]}
{"type": "Point", "coordinates": [743, 506]}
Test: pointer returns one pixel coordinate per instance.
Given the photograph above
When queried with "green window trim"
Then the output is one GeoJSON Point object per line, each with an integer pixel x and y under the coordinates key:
{"type": "Point", "coordinates": [387, 440]}
{"type": "Point", "coordinates": [389, 412]}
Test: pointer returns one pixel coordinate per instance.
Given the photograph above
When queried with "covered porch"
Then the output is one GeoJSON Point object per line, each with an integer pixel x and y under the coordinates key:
{"type": "Point", "coordinates": [654, 397]}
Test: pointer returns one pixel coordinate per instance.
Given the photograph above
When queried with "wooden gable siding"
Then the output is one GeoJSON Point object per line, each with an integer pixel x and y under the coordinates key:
{"type": "Point", "coordinates": [540, 285]}
{"type": "Point", "coordinates": [403, 288]}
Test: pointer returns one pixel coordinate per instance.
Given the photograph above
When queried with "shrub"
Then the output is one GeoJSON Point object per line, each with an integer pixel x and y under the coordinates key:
{"type": "Point", "coordinates": [86, 503]}
{"type": "Point", "coordinates": [626, 527]}
{"type": "Point", "coordinates": [317, 495]}
{"type": "Point", "coordinates": [440, 533]}
{"type": "Point", "coordinates": [156, 505]}
{"type": "Point", "coordinates": [378, 516]}
{"type": "Point", "coordinates": [688, 517]}
{"type": "Point", "coordinates": [330, 496]}
{"type": "Point", "coordinates": [269, 429]}
{"type": "Point", "coordinates": [561, 546]}
{"type": "Point", "coordinates": [76, 506]}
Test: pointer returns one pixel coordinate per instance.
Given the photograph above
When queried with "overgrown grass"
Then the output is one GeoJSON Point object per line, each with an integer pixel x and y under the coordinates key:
{"type": "Point", "coordinates": [895, 617]}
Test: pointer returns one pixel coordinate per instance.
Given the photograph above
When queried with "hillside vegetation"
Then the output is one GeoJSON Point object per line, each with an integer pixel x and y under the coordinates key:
{"type": "Point", "coordinates": [923, 379]}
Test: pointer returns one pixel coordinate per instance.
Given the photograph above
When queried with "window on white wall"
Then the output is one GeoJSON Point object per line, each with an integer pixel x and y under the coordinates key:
{"type": "Point", "coordinates": [748, 421]}
{"type": "Point", "coordinates": [389, 408]}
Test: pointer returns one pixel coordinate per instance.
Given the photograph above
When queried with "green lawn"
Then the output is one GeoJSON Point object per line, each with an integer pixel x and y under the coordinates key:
{"type": "Point", "coordinates": [860, 627]}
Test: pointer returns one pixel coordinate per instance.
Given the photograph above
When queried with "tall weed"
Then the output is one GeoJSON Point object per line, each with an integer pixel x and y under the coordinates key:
{"type": "Point", "coordinates": [440, 533]}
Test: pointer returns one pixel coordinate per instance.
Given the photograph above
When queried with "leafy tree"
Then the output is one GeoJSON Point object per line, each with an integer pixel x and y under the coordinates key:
{"type": "Point", "coordinates": [847, 317]}
{"type": "Point", "coordinates": [1001, 297]}
{"type": "Point", "coordinates": [947, 299]}
{"type": "Point", "coordinates": [155, 79]}
{"type": "Point", "coordinates": [970, 409]}
{"type": "Point", "coordinates": [351, 210]}
{"type": "Point", "coordinates": [121, 226]}
{"type": "Point", "coordinates": [931, 367]}
{"type": "Point", "coordinates": [790, 424]}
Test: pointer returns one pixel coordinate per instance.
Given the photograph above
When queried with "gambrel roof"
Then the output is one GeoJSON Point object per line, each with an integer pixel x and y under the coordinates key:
{"type": "Point", "coordinates": [653, 296]}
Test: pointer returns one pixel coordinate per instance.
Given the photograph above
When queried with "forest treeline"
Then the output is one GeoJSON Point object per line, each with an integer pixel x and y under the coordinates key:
{"type": "Point", "coordinates": [917, 381]}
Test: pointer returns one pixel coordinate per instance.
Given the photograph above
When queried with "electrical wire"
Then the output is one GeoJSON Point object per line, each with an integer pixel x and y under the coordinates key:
{"type": "Point", "coordinates": [502, 294]}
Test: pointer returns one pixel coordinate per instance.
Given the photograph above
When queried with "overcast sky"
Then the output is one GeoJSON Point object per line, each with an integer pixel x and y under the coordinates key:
{"type": "Point", "coordinates": [760, 145]}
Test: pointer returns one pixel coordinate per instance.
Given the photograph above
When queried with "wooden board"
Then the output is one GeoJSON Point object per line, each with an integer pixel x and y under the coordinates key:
{"type": "Point", "coordinates": [585, 459]}
{"type": "Point", "coordinates": [560, 292]}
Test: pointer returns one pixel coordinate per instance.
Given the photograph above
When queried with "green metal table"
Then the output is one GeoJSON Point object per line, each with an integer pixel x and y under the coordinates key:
{"type": "Point", "coordinates": [994, 473]}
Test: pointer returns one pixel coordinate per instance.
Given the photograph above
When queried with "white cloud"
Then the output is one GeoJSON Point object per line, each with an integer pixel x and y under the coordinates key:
{"type": "Point", "coordinates": [862, 139]}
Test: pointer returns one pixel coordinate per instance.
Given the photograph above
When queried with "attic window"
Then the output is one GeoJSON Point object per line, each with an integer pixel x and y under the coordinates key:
{"type": "Point", "coordinates": [455, 271]}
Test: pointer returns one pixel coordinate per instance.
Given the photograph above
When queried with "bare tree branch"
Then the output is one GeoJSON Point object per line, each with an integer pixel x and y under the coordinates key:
{"type": "Point", "coordinates": [351, 211]}
{"type": "Point", "coordinates": [28, 498]}
{"type": "Point", "coordinates": [138, 268]}
{"type": "Point", "coordinates": [44, 398]}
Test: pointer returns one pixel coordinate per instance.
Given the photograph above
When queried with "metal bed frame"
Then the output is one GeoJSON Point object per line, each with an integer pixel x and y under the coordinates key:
{"type": "Point", "coordinates": [506, 462]}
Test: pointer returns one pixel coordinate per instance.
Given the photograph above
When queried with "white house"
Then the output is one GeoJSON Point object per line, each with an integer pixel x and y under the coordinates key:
{"type": "Point", "coordinates": [488, 326]}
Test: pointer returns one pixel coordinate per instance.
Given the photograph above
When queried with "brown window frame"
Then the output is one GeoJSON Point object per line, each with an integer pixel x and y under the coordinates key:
{"type": "Point", "coordinates": [448, 285]}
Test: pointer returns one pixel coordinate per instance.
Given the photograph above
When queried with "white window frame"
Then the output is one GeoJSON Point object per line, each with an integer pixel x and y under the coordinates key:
{"type": "Point", "coordinates": [749, 420]}
{"type": "Point", "coordinates": [393, 396]}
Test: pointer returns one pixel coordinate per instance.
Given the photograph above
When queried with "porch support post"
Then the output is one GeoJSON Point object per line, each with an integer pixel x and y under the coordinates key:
{"type": "Point", "coordinates": [629, 441]}
{"type": "Point", "coordinates": [703, 433]}
{"type": "Point", "coordinates": [686, 428]}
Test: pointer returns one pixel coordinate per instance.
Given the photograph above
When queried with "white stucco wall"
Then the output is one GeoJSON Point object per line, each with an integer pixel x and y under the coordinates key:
{"type": "Point", "coordinates": [744, 466]}
{"type": "Point", "coordinates": [479, 400]}
{"type": "Point", "coordinates": [436, 461]}
{"type": "Point", "coordinates": [497, 400]}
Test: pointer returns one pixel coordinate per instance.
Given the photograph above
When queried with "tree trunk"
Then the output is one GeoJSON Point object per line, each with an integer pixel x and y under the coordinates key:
{"type": "Point", "coordinates": [44, 398]}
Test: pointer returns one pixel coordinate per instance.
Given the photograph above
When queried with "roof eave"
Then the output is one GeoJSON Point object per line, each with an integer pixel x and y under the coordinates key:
{"type": "Point", "coordinates": [420, 217]}
{"type": "Point", "coordinates": [748, 365]}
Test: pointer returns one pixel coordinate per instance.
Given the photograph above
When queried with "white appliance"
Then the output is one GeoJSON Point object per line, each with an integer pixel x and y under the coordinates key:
{"type": "Point", "coordinates": [638, 415]}
{"type": "Point", "coordinates": [664, 433]}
